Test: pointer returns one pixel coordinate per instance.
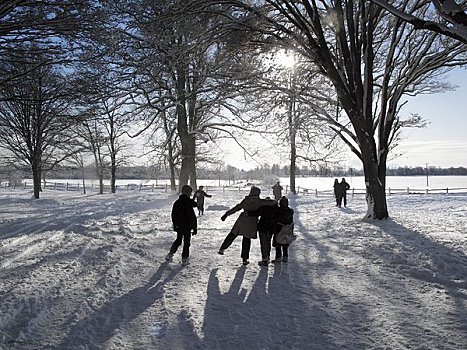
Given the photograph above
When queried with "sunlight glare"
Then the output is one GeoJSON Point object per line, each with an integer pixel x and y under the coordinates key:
{"type": "Point", "coordinates": [285, 59]}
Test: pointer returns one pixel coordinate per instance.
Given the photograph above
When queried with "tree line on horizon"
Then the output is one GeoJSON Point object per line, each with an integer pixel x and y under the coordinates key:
{"type": "Point", "coordinates": [81, 79]}
{"type": "Point", "coordinates": [15, 177]}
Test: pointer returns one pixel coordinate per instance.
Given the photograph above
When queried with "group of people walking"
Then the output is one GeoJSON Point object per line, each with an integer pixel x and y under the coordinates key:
{"type": "Point", "coordinates": [340, 192]}
{"type": "Point", "coordinates": [267, 216]}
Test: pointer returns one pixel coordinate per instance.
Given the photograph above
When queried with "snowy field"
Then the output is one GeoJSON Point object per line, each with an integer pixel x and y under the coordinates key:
{"type": "Point", "coordinates": [88, 272]}
{"type": "Point", "coordinates": [321, 183]}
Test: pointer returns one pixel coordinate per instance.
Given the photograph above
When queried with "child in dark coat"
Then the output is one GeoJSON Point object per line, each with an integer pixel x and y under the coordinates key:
{"type": "Point", "coordinates": [266, 229]}
{"type": "Point", "coordinates": [199, 197]}
{"type": "Point", "coordinates": [284, 216]}
{"type": "Point", "coordinates": [184, 223]}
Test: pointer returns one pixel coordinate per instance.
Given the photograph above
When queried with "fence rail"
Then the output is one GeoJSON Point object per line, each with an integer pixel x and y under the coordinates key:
{"type": "Point", "coordinates": [76, 186]}
{"type": "Point", "coordinates": [389, 191]}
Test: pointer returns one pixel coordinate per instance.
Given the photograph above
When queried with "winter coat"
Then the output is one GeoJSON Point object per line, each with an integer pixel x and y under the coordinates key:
{"type": "Point", "coordinates": [337, 189]}
{"type": "Point", "coordinates": [246, 225]}
{"type": "Point", "coordinates": [277, 191]}
{"type": "Point", "coordinates": [183, 215]}
{"type": "Point", "coordinates": [344, 187]}
{"type": "Point", "coordinates": [284, 216]}
{"type": "Point", "coordinates": [199, 197]}
{"type": "Point", "coordinates": [268, 220]}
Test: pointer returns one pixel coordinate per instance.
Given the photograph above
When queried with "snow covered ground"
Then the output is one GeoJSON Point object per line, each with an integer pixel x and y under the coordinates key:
{"type": "Point", "coordinates": [88, 272]}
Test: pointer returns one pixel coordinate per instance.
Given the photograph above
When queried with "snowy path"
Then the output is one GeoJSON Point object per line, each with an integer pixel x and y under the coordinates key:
{"type": "Point", "coordinates": [83, 272]}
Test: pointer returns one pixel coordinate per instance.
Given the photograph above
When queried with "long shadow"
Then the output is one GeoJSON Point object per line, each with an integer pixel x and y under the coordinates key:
{"type": "Point", "coordinates": [100, 326]}
{"type": "Point", "coordinates": [50, 215]}
{"type": "Point", "coordinates": [325, 259]}
{"type": "Point", "coordinates": [271, 315]}
{"type": "Point", "coordinates": [447, 268]}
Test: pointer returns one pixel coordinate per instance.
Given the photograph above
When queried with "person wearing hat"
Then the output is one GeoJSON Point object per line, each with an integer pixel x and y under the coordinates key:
{"type": "Point", "coordinates": [245, 225]}
{"type": "Point", "coordinates": [184, 223]}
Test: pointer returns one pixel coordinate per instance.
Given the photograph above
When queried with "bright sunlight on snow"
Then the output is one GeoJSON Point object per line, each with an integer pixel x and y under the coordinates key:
{"type": "Point", "coordinates": [88, 272]}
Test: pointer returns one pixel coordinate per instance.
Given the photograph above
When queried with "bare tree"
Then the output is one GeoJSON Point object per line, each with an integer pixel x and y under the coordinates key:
{"type": "Point", "coordinates": [372, 60]}
{"type": "Point", "coordinates": [35, 117]}
{"type": "Point", "coordinates": [59, 29]}
{"type": "Point", "coordinates": [92, 138]}
{"type": "Point", "coordinates": [447, 17]}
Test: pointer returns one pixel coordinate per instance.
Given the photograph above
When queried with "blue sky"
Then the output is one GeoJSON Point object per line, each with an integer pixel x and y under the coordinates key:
{"type": "Point", "coordinates": [443, 142]}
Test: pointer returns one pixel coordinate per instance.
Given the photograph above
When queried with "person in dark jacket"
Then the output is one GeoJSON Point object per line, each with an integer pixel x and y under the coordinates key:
{"type": "Point", "coordinates": [245, 225]}
{"type": "Point", "coordinates": [344, 187]}
{"type": "Point", "coordinates": [266, 229]}
{"type": "Point", "coordinates": [184, 223]}
{"type": "Point", "coordinates": [338, 193]}
{"type": "Point", "coordinates": [284, 216]}
{"type": "Point", "coordinates": [198, 196]}
{"type": "Point", "coordinates": [277, 191]}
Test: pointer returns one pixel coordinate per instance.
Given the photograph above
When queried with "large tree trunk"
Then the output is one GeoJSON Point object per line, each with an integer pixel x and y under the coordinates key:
{"type": "Point", "coordinates": [36, 179]}
{"type": "Point", "coordinates": [375, 183]}
{"type": "Point", "coordinates": [113, 171]}
{"type": "Point", "coordinates": [293, 148]}
{"type": "Point", "coordinates": [182, 128]}
{"type": "Point", "coordinates": [170, 159]}
{"type": "Point", "coordinates": [192, 163]}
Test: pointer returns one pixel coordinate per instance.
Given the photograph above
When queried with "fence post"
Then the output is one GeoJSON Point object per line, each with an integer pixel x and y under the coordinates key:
{"type": "Point", "coordinates": [447, 190]}
{"type": "Point", "coordinates": [166, 188]}
{"type": "Point", "coordinates": [353, 192]}
{"type": "Point", "coordinates": [140, 185]}
{"type": "Point", "coordinates": [408, 191]}
{"type": "Point", "coordinates": [152, 189]}
{"type": "Point", "coordinates": [427, 191]}
{"type": "Point", "coordinates": [389, 190]}
{"type": "Point", "coordinates": [238, 189]}
{"type": "Point", "coordinates": [66, 188]}
{"type": "Point", "coordinates": [316, 192]}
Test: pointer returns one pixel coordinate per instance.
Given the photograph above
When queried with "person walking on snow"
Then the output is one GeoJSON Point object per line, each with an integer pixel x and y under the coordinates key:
{"type": "Point", "coordinates": [338, 192]}
{"type": "Point", "coordinates": [284, 217]}
{"type": "Point", "coordinates": [184, 223]}
{"type": "Point", "coordinates": [266, 229]}
{"type": "Point", "coordinates": [277, 191]}
{"type": "Point", "coordinates": [344, 187]}
{"type": "Point", "coordinates": [199, 197]}
{"type": "Point", "coordinates": [245, 225]}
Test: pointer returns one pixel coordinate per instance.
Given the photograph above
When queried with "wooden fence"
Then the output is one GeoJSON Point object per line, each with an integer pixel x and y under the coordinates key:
{"type": "Point", "coordinates": [75, 186]}
{"type": "Point", "coordinates": [389, 191]}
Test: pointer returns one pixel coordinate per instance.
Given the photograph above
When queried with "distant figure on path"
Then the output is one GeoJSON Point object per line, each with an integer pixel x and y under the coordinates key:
{"type": "Point", "coordinates": [337, 192]}
{"type": "Point", "coordinates": [344, 187]}
{"type": "Point", "coordinates": [184, 223]}
{"type": "Point", "coordinates": [199, 197]}
{"type": "Point", "coordinates": [245, 225]}
{"type": "Point", "coordinates": [277, 191]}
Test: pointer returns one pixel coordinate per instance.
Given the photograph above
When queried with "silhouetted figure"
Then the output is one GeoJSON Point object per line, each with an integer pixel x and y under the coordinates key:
{"type": "Point", "coordinates": [277, 191]}
{"type": "Point", "coordinates": [267, 226]}
{"type": "Point", "coordinates": [284, 216]}
{"type": "Point", "coordinates": [184, 223]}
{"type": "Point", "coordinates": [198, 196]}
{"type": "Point", "coordinates": [337, 192]}
{"type": "Point", "coordinates": [344, 187]}
{"type": "Point", "coordinates": [245, 225]}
